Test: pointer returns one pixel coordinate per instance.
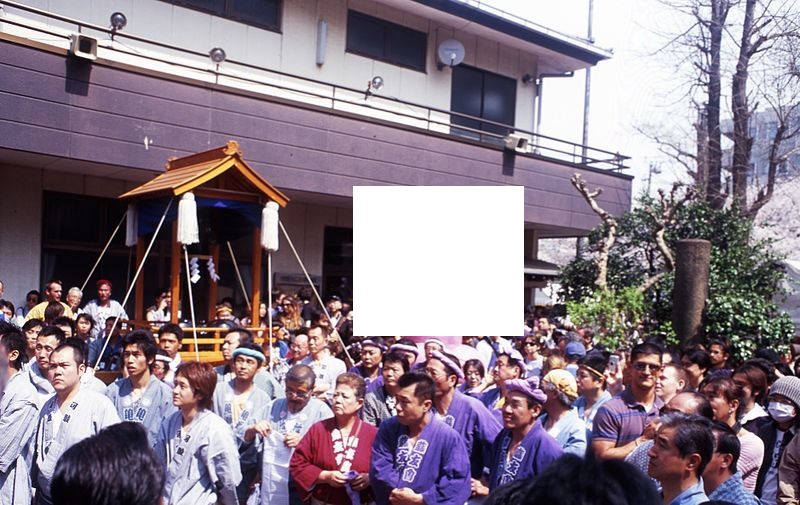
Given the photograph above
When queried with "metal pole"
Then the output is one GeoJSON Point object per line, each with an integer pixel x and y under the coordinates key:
{"type": "Point", "coordinates": [191, 302]}
{"type": "Point", "coordinates": [239, 276]}
{"type": "Point", "coordinates": [135, 277]}
{"type": "Point", "coordinates": [114, 234]}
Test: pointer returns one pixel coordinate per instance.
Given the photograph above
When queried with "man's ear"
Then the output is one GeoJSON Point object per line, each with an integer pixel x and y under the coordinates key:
{"type": "Point", "coordinates": [693, 462]}
{"type": "Point", "coordinates": [727, 460]}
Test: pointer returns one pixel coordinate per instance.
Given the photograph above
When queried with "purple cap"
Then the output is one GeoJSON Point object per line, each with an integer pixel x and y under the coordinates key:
{"type": "Point", "coordinates": [528, 387]}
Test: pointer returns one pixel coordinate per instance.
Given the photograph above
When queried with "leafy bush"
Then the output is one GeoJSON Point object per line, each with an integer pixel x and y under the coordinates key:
{"type": "Point", "coordinates": [742, 282]}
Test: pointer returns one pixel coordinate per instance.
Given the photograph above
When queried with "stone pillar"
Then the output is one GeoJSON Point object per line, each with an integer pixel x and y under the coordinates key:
{"type": "Point", "coordinates": [691, 287]}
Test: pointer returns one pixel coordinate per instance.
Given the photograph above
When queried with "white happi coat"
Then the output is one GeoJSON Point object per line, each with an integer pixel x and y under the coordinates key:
{"type": "Point", "coordinates": [150, 409]}
{"type": "Point", "coordinates": [275, 455]}
{"type": "Point", "coordinates": [41, 382]}
{"type": "Point", "coordinates": [85, 415]}
{"type": "Point", "coordinates": [18, 413]}
{"type": "Point", "coordinates": [202, 461]}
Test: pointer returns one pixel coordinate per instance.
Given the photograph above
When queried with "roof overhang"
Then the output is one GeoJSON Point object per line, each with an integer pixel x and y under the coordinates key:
{"type": "Point", "coordinates": [542, 268]}
{"type": "Point", "coordinates": [555, 51]}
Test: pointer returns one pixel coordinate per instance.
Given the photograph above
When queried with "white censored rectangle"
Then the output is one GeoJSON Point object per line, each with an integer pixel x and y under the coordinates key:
{"type": "Point", "coordinates": [438, 260]}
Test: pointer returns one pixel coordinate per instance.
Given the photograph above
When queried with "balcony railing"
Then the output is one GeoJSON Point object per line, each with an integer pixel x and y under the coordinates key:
{"type": "Point", "coordinates": [55, 30]}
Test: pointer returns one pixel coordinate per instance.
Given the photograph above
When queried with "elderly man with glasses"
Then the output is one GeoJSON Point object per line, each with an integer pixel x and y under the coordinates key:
{"type": "Point", "coordinates": [281, 426]}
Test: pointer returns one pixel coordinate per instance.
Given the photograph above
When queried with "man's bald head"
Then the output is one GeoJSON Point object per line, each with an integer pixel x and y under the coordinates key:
{"type": "Point", "coordinates": [690, 402]}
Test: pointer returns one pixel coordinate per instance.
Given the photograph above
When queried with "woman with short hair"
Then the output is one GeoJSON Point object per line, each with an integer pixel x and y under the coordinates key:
{"type": "Point", "coordinates": [331, 463]}
{"type": "Point", "coordinates": [195, 445]}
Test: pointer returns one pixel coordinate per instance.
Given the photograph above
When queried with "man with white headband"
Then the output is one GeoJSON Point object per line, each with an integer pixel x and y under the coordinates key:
{"type": "Point", "coordinates": [466, 415]}
{"type": "Point", "coordinates": [409, 350]}
{"type": "Point", "coordinates": [238, 401]}
{"type": "Point", "coordinates": [372, 349]}
{"type": "Point", "coordinates": [509, 366]}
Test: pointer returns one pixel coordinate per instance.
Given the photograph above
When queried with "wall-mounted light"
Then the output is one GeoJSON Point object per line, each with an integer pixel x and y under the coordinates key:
{"type": "Point", "coordinates": [118, 22]}
{"type": "Point", "coordinates": [375, 84]}
{"type": "Point", "coordinates": [322, 41]}
{"type": "Point", "coordinates": [217, 55]}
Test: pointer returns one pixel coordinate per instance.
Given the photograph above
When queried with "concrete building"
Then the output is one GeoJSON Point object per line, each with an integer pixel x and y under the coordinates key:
{"type": "Point", "coordinates": [89, 111]}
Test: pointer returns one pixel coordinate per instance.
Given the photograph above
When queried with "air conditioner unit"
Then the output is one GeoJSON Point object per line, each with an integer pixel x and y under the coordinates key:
{"type": "Point", "coordinates": [516, 143]}
{"type": "Point", "coordinates": [83, 46]}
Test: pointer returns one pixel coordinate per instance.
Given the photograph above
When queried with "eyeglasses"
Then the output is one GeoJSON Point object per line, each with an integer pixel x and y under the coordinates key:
{"type": "Point", "coordinates": [641, 367]}
{"type": "Point", "coordinates": [297, 394]}
{"type": "Point", "coordinates": [531, 343]}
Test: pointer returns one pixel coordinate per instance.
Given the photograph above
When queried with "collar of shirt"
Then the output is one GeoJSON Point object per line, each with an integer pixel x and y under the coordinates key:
{"type": "Point", "coordinates": [630, 401]}
{"type": "Point", "coordinates": [691, 496]}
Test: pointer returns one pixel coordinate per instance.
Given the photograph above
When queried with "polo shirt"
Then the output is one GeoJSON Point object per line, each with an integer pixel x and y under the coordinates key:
{"type": "Point", "coordinates": [623, 419]}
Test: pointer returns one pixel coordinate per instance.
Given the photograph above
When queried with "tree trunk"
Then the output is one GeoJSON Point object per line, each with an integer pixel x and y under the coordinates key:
{"type": "Point", "coordinates": [714, 193]}
{"type": "Point", "coordinates": [742, 142]}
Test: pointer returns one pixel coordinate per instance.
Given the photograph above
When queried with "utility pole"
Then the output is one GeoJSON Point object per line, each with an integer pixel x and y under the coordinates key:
{"type": "Point", "coordinates": [587, 88]}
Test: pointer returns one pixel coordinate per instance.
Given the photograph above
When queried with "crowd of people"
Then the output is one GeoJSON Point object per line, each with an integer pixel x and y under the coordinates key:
{"type": "Point", "coordinates": [326, 417]}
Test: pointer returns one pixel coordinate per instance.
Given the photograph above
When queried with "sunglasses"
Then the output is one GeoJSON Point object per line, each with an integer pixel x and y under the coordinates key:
{"type": "Point", "coordinates": [641, 367]}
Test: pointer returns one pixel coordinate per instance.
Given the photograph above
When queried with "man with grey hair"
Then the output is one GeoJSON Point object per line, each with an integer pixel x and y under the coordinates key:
{"type": "Point", "coordinates": [683, 447]}
{"type": "Point", "coordinates": [280, 428]}
{"type": "Point", "coordinates": [74, 297]}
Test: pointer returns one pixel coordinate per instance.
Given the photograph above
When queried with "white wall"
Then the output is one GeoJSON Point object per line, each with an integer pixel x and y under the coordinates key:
{"type": "Point", "coordinates": [294, 50]}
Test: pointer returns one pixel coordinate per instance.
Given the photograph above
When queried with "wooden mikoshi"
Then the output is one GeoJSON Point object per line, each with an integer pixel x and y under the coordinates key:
{"type": "Point", "coordinates": [219, 179]}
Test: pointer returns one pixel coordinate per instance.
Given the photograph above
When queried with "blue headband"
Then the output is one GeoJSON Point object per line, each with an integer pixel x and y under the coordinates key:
{"type": "Point", "coordinates": [252, 353]}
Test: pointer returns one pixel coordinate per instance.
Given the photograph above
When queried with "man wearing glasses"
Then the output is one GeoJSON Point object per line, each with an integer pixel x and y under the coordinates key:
{"type": "Point", "coordinates": [622, 423]}
{"type": "Point", "coordinates": [280, 428]}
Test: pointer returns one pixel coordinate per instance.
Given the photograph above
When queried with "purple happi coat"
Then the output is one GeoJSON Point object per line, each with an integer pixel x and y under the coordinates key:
{"type": "Point", "coordinates": [537, 450]}
{"type": "Point", "coordinates": [476, 425]}
{"type": "Point", "coordinates": [437, 466]}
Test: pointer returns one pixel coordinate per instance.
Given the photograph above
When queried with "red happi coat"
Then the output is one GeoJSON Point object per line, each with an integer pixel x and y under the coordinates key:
{"type": "Point", "coordinates": [315, 453]}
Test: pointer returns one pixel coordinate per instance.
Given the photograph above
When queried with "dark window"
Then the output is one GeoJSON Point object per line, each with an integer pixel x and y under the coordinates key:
{"type": "Point", "coordinates": [337, 262]}
{"type": "Point", "coordinates": [482, 95]}
{"type": "Point", "coordinates": [263, 13]}
{"type": "Point", "coordinates": [386, 41]}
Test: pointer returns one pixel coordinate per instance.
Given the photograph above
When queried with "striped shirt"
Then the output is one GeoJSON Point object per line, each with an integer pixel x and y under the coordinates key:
{"type": "Point", "coordinates": [623, 419]}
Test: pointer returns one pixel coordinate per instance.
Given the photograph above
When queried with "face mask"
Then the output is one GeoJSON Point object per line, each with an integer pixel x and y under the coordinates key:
{"type": "Point", "coordinates": [781, 412]}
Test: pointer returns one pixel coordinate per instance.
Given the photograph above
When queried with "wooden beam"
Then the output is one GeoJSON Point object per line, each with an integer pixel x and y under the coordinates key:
{"type": "Point", "coordinates": [175, 273]}
{"type": "Point", "coordinates": [256, 272]}
{"type": "Point", "coordinates": [227, 194]}
{"type": "Point", "coordinates": [138, 304]}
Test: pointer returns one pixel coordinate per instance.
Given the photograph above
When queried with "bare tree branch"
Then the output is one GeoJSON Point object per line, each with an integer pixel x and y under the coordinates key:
{"type": "Point", "coordinates": [611, 229]}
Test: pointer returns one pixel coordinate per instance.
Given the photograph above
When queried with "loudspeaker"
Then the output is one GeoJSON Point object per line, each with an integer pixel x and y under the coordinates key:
{"type": "Point", "coordinates": [83, 46]}
{"type": "Point", "coordinates": [516, 143]}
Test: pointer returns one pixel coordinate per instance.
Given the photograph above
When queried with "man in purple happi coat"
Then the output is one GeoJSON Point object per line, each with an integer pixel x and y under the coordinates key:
{"type": "Point", "coordinates": [417, 458]}
{"type": "Point", "coordinates": [468, 416]}
{"type": "Point", "coordinates": [523, 449]}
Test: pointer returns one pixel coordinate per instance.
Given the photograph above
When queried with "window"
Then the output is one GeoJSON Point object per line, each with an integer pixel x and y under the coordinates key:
{"type": "Point", "coordinates": [385, 41]}
{"type": "Point", "coordinates": [263, 13]}
{"type": "Point", "coordinates": [337, 262]}
{"type": "Point", "coordinates": [484, 95]}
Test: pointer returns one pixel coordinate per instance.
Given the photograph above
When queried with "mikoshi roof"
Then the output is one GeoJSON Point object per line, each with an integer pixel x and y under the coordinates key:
{"type": "Point", "coordinates": [220, 173]}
